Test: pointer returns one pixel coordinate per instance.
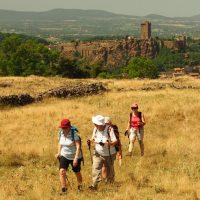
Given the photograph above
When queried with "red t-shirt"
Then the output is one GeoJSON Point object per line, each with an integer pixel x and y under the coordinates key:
{"type": "Point", "coordinates": [135, 121]}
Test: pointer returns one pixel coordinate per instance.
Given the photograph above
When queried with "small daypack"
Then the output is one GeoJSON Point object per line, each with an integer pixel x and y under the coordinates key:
{"type": "Point", "coordinates": [118, 146]}
{"type": "Point", "coordinates": [73, 130]}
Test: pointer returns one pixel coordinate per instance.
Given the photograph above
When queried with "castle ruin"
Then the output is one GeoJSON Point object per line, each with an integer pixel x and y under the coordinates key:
{"type": "Point", "coordinates": [145, 30]}
{"type": "Point", "coordinates": [116, 53]}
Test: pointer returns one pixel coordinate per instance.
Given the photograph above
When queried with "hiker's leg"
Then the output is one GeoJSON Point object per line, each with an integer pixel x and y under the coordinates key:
{"type": "Point", "coordinates": [63, 178]}
{"type": "Point", "coordinates": [79, 178]}
{"type": "Point", "coordinates": [140, 139]}
{"type": "Point", "coordinates": [141, 147]}
{"type": "Point", "coordinates": [77, 170]}
{"type": "Point", "coordinates": [103, 172]}
{"type": "Point", "coordinates": [109, 164]}
{"type": "Point", "coordinates": [64, 164]}
{"type": "Point", "coordinates": [119, 157]}
{"type": "Point", "coordinates": [132, 138]}
{"type": "Point", "coordinates": [96, 169]}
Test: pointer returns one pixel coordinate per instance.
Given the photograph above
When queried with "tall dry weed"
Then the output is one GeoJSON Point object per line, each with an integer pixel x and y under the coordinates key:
{"type": "Point", "coordinates": [170, 168]}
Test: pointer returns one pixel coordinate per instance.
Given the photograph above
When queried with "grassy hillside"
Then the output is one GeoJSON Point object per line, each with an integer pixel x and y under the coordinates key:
{"type": "Point", "coordinates": [170, 168]}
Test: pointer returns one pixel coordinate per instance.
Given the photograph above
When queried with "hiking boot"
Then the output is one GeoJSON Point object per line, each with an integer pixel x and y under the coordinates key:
{"type": "Point", "coordinates": [80, 188]}
{"type": "Point", "coordinates": [63, 191]}
{"type": "Point", "coordinates": [92, 188]}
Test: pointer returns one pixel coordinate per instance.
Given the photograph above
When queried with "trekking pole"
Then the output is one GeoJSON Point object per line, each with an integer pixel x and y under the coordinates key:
{"type": "Point", "coordinates": [89, 145]}
{"type": "Point", "coordinates": [109, 152]}
{"type": "Point", "coordinates": [68, 182]}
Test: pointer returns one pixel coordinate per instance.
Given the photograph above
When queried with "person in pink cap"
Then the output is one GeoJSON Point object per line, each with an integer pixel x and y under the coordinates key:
{"type": "Point", "coordinates": [69, 153]}
{"type": "Point", "coordinates": [136, 124]}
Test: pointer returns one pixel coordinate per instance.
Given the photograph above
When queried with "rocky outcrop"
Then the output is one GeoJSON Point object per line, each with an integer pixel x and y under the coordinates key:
{"type": "Point", "coordinates": [114, 53]}
{"type": "Point", "coordinates": [60, 92]}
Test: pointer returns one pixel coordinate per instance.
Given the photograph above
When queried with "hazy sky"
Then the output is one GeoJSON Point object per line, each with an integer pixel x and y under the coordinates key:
{"type": "Point", "coordinates": [169, 8]}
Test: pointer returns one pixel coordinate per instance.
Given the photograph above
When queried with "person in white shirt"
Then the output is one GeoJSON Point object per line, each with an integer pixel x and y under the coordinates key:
{"type": "Point", "coordinates": [69, 153]}
{"type": "Point", "coordinates": [104, 140]}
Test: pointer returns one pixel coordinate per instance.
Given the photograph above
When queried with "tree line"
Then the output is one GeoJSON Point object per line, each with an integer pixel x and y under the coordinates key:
{"type": "Point", "coordinates": [22, 55]}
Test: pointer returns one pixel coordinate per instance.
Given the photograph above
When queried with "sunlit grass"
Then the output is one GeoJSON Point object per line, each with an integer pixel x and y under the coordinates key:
{"type": "Point", "coordinates": [170, 168]}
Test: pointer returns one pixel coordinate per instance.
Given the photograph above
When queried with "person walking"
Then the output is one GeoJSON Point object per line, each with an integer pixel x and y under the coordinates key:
{"type": "Point", "coordinates": [105, 153]}
{"type": "Point", "coordinates": [136, 124]}
{"type": "Point", "coordinates": [118, 147]}
{"type": "Point", "coordinates": [69, 153]}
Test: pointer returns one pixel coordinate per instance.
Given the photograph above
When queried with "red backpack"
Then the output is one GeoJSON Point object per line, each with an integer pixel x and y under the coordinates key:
{"type": "Point", "coordinates": [118, 146]}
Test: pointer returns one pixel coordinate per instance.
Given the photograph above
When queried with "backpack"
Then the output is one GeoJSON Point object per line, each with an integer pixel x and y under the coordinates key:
{"type": "Point", "coordinates": [73, 130]}
{"type": "Point", "coordinates": [139, 115]}
{"type": "Point", "coordinates": [118, 146]}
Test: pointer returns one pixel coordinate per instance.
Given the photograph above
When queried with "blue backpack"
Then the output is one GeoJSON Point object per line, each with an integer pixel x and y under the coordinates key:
{"type": "Point", "coordinates": [73, 131]}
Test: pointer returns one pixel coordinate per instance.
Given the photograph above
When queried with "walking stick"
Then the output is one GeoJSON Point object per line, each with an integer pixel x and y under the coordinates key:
{"type": "Point", "coordinates": [68, 182]}
{"type": "Point", "coordinates": [88, 142]}
{"type": "Point", "coordinates": [109, 152]}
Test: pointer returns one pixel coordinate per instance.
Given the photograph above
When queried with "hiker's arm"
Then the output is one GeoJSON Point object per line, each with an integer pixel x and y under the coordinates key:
{"type": "Point", "coordinates": [112, 143]}
{"type": "Point", "coordinates": [59, 151]}
{"type": "Point", "coordinates": [113, 140]}
{"type": "Point", "coordinates": [92, 140]}
{"type": "Point", "coordinates": [143, 120]}
{"type": "Point", "coordinates": [128, 125]}
{"type": "Point", "coordinates": [78, 148]}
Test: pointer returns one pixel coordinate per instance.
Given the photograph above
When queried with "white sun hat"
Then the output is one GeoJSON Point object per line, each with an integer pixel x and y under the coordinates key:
{"type": "Point", "coordinates": [98, 120]}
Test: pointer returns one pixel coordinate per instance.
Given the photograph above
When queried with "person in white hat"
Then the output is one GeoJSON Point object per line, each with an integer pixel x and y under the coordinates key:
{"type": "Point", "coordinates": [105, 152]}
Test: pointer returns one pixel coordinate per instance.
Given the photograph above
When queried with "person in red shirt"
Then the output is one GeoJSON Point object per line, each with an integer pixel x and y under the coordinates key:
{"type": "Point", "coordinates": [136, 125]}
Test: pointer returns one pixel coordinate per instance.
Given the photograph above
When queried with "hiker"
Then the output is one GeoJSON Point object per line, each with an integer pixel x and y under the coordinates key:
{"type": "Point", "coordinates": [119, 150]}
{"type": "Point", "coordinates": [136, 125]}
{"type": "Point", "coordinates": [69, 153]}
{"type": "Point", "coordinates": [105, 152]}
{"type": "Point", "coordinates": [116, 131]}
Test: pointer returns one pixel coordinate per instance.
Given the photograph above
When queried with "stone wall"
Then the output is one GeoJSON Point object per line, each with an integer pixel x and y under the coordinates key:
{"type": "Point", "coordinates": [60, 92]}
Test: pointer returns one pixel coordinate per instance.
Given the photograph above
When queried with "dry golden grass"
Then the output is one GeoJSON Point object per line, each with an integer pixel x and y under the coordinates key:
{"type": "Point", "coordinates": [170, 168]}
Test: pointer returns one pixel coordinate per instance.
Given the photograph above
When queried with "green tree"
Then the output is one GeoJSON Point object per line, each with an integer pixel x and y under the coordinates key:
{"type": "Point", "coordinates": [69, 68]}
{"type": "Point", "coordinates": [142, 68]}
{"type": "Point", "coordinates": [166, 59]}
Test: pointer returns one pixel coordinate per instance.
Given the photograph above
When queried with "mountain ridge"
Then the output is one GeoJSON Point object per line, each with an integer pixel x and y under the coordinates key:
{"type": "Point", "coordinates": [85, 12]}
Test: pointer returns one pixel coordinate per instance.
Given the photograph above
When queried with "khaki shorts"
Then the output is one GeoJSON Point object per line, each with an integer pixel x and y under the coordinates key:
{"type": "Point", "coordinates": [139, 133]}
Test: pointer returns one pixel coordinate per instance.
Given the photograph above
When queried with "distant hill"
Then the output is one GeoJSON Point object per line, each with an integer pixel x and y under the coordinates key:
{"type": "Point", "coordinates": [76, 14]}
{"type": "Point", "coordinates": [154, 16]}
{"type": "Point", "coordinates": [58, 14]}
{"type": "Point", "coordinates": [73, 24]}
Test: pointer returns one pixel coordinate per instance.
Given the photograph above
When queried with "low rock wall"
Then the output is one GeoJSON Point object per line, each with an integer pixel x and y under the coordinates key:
{"type": "Point", "coordinates": [60, 92]}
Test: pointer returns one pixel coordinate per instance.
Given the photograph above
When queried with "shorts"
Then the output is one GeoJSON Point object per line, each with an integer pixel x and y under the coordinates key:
{"type": "Point", "coordinates": [139, 133]}
{"type": "Point", "coordinates": [64, 163]}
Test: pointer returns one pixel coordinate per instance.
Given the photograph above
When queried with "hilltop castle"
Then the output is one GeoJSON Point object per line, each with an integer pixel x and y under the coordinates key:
{"type": "Point", "coordinates": [116, 53]}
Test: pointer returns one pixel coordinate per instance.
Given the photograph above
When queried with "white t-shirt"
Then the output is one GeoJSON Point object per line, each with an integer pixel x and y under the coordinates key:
{"type": "Point", "coordinates": [68, 149]}
{"type": "Point", "coordinates": [102, 136]}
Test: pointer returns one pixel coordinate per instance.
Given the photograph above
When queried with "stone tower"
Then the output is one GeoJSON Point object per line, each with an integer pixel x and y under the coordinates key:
{"type": "Point", "coordinates": [145, 30]}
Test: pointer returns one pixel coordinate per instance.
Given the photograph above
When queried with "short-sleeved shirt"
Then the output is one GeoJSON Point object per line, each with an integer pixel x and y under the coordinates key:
{"type": "Point", "coordinates": [68, 149]}
{"type": "Point", "coordinates": [102, 136]}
